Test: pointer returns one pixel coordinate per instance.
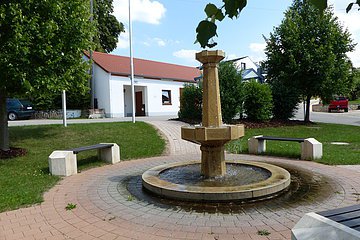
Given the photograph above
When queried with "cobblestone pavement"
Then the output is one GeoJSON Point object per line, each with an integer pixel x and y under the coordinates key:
{"type": "Point", "coordinates": [108, 207]}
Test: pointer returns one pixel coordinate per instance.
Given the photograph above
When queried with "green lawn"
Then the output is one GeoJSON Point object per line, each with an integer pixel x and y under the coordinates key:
{"type": "Point", "coordinates": [325, 133]}
{"type": "Point", "coordinates": [23, 180]}
{"type": "Point", "coordinates": [355, 101]}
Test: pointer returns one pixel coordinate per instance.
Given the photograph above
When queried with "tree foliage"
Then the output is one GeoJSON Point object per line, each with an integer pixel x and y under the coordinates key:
{"type": "Point", "coordinates": [231, 91]}
{"type": "Point", "coordinates": [355, 89]}
{"type": "Point", "coordinates": [191, 103]}
{"type": "Point", "coordinates": [285, 100]}
{"type": "Point", "coordinates": [108, 27]}
{"type": "Point", "coordinates": [307, 52]}
{"type": "Point", "coordinates": [207, 29]}
{"type": "Point", "coordinates": [41, 48]}
{"type": "Point", "coordinates": [258, 101]}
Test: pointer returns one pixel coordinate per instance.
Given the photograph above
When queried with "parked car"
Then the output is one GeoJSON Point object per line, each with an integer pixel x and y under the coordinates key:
{"type": "Point", "coordinates": [19, 108]}
{"type": "Point", "coordinates": [339, 103]}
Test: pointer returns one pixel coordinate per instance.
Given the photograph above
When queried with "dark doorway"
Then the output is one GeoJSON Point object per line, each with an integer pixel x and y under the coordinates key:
{"type": "Point", "coordinates": [140, 107]}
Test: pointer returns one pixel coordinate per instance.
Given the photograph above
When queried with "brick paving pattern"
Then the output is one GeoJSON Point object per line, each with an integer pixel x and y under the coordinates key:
{"type": "Point", "coordinates": [106, 210]}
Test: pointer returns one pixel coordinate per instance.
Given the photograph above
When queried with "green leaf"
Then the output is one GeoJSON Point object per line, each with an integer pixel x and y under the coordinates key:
{"type": "Point", "coordinates": [234, 7]}
{"type": "Point", "coordinates": [210, 10]}
{"type": "Point", "coordinates": [349, 7]}
{"type": "Point", "coordinates": [219, 15]}
{"type": "Point", "coordinates": [205, 31]}
{"type": "Point", "coordinates": [320, 4]}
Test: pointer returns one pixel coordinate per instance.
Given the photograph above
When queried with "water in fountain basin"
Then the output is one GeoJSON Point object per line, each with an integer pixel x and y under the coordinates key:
{"type": "Point", "coordinates": [236, 175]}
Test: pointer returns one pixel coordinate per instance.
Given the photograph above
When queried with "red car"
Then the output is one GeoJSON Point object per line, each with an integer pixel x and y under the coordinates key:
{"type": "Point", "coordinates": [339, 103]}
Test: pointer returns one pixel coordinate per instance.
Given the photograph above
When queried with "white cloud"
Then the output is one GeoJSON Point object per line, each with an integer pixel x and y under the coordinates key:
{"type": "Point", "coordinates": [188, 55]}
{"type": "Point", "coordinates": [148, 11]}
{"type": "Point", "coordinates": [258, 51]}
{"type": "Point", "coordinates": [160, 42]}
{"type": "Point", "coordinates": [351, 22]}
{"type": "Point", "coordinates": [123, 41]}
{"type": "Point", "coordinates": [257, 47]}
{"type": "Point", "coordinates": [156, 41]}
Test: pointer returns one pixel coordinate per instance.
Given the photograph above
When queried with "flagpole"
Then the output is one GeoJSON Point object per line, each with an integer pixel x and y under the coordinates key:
{"type": "Point", "coordinates": [92, 82]}
{"type": "Point", "coordinates": [131, 66]}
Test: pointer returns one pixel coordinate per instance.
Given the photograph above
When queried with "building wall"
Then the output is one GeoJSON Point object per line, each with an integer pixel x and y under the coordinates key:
{"type": "Point", "coordinates": [117, 103]}
{"type": "Point", "coordinates": [154, 97]}
{"type": "Point", "coordinates": [102, 88]}
{"type": "Point", "coordinates": [248, 63]}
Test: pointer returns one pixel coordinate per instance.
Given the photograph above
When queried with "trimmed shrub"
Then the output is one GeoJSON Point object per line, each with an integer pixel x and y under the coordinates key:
{"type": "Point", "coordinates": [230, 91]}
{"type": "Point", "coordinates": [191, 103]}
{"type": "Point", "coordinates": [257, 101]}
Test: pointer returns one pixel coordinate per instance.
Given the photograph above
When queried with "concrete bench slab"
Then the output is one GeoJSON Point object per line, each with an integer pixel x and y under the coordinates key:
{"type": "Point", "coordinates": [64, 163]}
{"type": "Point", "coordinates": [311, 149]}
{"type": "Point", "coordinates": [316, 227]}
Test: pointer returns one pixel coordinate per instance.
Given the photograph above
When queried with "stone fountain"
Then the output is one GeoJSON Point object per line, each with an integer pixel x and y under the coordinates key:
{"type": "Point", "coordinates": [212, 135]}
{"type": "Point", "coordinates": [210, 180]}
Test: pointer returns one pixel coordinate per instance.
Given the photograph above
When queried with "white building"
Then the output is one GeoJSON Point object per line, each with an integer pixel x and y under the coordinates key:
{"type": "Point", "coordinates": [249, 69]}
{"type": "Point", "coordinates": [157, 85]}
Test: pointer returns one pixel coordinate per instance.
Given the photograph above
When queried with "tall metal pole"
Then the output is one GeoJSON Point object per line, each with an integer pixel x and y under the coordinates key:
{"type": "Point", "coordinates": [64, 108]}
{"type": "Point", "coordinates": [131, 67]}
{"type": "Point", "coordinates": [92, 82]}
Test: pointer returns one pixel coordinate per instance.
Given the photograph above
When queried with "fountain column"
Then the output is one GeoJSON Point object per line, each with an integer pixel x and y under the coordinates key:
{"type": "Point", "coordinates": [212, 135]}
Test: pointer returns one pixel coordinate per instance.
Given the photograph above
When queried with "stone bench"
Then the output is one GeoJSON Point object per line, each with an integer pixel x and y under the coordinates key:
{"type": "Point", "coordinates": [340, 223]}
{"type": "Point", "coordinates": [64, 162]}
{"type": "Point", "coordinates": [310, 148]}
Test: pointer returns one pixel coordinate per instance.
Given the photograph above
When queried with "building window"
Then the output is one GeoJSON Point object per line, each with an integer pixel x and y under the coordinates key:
{"type": "Point", "coordinates": [243, 66]}
{"type": "Point", "coordinates": [166, 97]}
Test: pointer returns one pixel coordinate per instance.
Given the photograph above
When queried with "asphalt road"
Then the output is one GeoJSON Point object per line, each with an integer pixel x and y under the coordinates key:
{"type": "Point", "coordinates": [349, 118]}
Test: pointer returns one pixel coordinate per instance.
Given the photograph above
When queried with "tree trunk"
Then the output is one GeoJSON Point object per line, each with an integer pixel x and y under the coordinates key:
{"type": "Point", "coordinates": [307, 113]}
{"type": "Point", "coordinates": [4, 131]}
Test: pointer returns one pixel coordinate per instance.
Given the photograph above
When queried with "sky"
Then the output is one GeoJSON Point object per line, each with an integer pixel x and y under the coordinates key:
{"type": "Point", "coordinates": [164, 30]}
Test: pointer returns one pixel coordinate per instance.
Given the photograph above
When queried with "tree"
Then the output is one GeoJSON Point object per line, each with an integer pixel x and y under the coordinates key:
{"type": "Point", "coordinates": [41, 49]}
{"type": "Point", "coordinates": [230, 91]}
{"type": "Point", "coordinates": [108, 27]}
{"type": "Point", "coordinates": [207, 29]}
{"type": "Point", "coordinates": [307, 52]}
{"type": "Point", "coordinates": [105, 39]}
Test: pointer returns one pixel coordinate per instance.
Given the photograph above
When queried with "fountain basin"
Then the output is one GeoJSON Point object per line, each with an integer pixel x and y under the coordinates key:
{"type": "Point", "coordinates": [278, 179]}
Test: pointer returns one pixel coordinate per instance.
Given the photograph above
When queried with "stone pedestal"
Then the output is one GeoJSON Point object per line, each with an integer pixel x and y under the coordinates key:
{"type": "Point", "coordinates": [212, 142]}
{"type": "Point", "coordinates": [212, 160]}
{"type": "Point", "coordinates": [311, 149]}
{"type": "Point", "coordinates": [62, 163]}
{"type": "Point", "coordinates": [110, 155]}
{"type": "Point", "coordinates": [256, 146]}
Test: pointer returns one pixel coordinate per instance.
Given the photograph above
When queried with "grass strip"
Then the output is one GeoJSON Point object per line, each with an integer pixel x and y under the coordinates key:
{"type": "Point", "coordinates": [23, 180]}
{"type": "Point", "coordinates": [325, 133]}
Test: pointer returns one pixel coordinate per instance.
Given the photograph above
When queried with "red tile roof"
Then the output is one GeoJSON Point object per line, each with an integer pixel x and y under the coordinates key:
{"type": "Point", "coordinates": [119, 65]}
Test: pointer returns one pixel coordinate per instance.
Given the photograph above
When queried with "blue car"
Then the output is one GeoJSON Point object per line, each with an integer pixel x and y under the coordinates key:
{"type": "Point", "coordinates": [18, 108]}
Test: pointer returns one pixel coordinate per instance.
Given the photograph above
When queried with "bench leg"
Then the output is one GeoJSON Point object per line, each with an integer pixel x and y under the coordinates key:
{"type": "Point", "coordinates": [256, 146]}
{"type": "Point", "coordinates": [110, 155]}
{"type": "Point", "coordinates": [311, 149]}
{"type": "Point", "coordinates": [62, 163]}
